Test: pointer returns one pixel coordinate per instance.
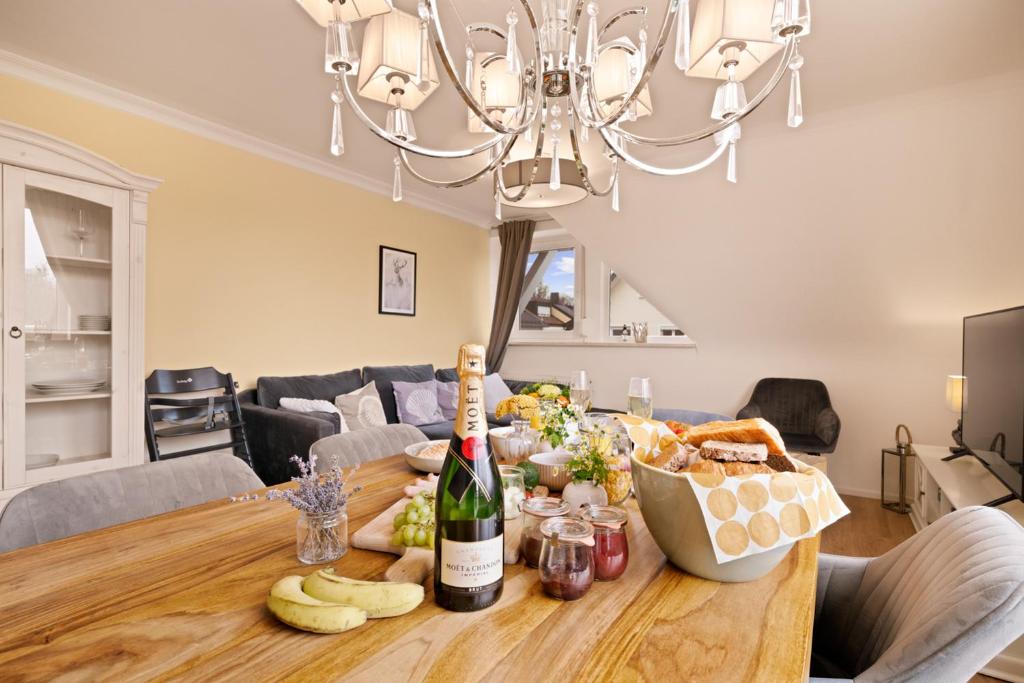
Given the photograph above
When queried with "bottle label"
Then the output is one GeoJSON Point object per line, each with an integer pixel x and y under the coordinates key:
{"type": "Point", "coordinates": [476, 564]}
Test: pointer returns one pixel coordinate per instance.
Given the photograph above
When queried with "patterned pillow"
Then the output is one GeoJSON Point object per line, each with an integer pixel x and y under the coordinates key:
{"type": "Point", "coordinates": [309, 405]}
{"type": "Point", "coordinates": [417, 403]}
{"type": "Point", "coordinates": [362, 408]}
{"type": "Point", "coordinates": [448, 399]}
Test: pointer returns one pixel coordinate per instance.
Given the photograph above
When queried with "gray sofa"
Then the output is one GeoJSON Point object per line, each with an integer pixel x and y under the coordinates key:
{"type": "Point", "coordinates": [275, 435]}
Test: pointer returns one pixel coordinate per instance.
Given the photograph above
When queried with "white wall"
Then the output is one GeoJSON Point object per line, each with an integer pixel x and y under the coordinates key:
{"type": "Point", "coordinates": [848, 252]}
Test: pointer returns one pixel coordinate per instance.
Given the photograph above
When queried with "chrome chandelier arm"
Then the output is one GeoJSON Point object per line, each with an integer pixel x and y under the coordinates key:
{"type": "Point", "coordinates": [461, 182]}
{"type": "Point", "coordinates": [623, 106]}
{"type": "Point", "coordinates": [409, 146]}
{"type": "Point", "coordinates": [619, 16]}
{"type": "Point", "coordinates": [522, 108]}
{"type": "Point", "coordinates": [609, 139]}
{"type": "Point", "coordinates": [707, 132]}
{"type": "Point", "coordinates": [499, 181]}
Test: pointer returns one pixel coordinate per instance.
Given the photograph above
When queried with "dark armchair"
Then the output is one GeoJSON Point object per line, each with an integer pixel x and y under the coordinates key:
{"type": "Point", "coordinates": [800, 408]}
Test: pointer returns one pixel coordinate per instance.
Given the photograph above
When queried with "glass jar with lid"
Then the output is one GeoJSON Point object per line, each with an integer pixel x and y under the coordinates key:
{"type": "Point", "coordinates": [536, 511]}
{"type": "Point", "coordinates": [611, 549]}
{"type": "Point", "coordinates": [567, 557]}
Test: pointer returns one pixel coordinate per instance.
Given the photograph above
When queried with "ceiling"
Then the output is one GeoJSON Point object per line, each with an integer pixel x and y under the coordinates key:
{"type": "Point", "coordinates": [259, 71]}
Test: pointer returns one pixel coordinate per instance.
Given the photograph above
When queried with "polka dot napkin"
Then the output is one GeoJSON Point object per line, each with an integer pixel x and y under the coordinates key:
{"type": "Point", "coordinates": [751, 513]}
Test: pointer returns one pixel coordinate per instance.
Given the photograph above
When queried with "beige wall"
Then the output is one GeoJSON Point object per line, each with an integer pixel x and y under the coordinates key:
{"type": "Point", "coordinates": [849, 252]}
{"type": "Point", "coordinates": [257, 267]}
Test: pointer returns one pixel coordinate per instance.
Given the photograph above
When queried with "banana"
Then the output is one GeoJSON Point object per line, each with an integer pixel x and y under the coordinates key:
{"type": "Point", "coordinates": [287, 602]}
{"type": "Point", "coordinates": [377, 598]}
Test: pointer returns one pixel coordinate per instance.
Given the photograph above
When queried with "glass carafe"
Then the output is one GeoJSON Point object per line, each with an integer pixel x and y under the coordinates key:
{"type": "Point", "coordinates": [521, 443]}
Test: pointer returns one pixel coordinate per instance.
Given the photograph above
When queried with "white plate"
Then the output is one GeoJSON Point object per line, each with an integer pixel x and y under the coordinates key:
{"type": "Point", "coordinates": [424, 464]}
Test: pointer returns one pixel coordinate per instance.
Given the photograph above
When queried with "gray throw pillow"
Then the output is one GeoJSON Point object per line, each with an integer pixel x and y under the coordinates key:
{"type": "Point", "coordinates": [362, 408]}
{"type": "Point", "coordinates": [417, 403]}
{"type": "Point", "coordinates": [448, 399]}
{"type": "Point", "coordinates": [495, 390]}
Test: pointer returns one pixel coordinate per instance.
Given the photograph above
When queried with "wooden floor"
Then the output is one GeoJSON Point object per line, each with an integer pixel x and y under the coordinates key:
{"type": "Point", "coordinates": [870, 530]}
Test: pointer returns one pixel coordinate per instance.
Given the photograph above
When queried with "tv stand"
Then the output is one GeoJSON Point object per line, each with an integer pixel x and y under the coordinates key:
{"type": "Point", "coordinates": [956, 452]}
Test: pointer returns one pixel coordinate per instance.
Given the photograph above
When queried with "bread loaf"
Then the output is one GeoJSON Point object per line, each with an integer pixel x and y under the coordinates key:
{"type": "Point", "coordinates": [728, 451]}
{"type": "Point", "coordinates": [753, 430]}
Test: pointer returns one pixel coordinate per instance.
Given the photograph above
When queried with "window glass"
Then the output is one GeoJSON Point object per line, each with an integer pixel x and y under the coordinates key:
{"type": "Point", "coordinates": [626, 306]}
{"type": "Point", "coordinates": [549, 291]}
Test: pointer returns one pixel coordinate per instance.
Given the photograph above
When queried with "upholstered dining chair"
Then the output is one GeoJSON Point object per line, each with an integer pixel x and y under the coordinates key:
{"type": "Point", "coordinates": [55, 510]}
{"type": "Point", "coordinates": [800, 408]}
{"type": "Point", "coordinates": [364, 445]}
{"type": "Point", "coordinates": [938, 607]}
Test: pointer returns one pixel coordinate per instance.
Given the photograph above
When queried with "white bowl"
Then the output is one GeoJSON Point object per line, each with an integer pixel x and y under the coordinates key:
{"type": "Point", "coordinates": [498, 436]}
{"type": "Point", "coordinates": [424, 464]}
{"type": "Point", "coordinates": [673, 516]}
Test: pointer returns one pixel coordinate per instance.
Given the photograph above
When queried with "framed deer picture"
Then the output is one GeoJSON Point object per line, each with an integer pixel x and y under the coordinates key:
{"type": "Point", "coordinates": [397, 281]}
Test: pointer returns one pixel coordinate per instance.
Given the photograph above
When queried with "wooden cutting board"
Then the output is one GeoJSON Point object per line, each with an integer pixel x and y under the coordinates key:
{"type": "Point", "coordinates": [415, 564]}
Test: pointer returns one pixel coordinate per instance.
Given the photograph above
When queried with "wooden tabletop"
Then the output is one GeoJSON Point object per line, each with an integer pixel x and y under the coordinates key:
{"type": "Point", "coordinates": [181, 596]}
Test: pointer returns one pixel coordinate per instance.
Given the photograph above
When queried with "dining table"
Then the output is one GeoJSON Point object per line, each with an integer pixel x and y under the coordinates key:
{"type": "Point", "coordinates": [182, 596]}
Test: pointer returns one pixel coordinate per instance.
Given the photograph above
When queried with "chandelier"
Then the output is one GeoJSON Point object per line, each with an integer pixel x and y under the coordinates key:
{"type": "Point", "coordinates": [537, 101]}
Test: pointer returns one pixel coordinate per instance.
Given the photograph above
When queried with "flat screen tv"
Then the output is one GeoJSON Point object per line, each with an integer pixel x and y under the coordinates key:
{"type": "Point", "coordinates": [993, 395]}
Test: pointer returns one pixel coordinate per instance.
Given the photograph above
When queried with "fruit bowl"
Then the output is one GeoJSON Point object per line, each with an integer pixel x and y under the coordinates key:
{"type": "Point", "coordinates": [424, 464]}
{"type": "Point", "coordinates": [674, 518]}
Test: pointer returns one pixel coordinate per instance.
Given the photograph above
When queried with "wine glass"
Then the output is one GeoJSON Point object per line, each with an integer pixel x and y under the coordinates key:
{"type": "Point", "coordinates": [579, 391]}
{"type": "Point", "coordinates": [81, 231]}
{"type": "Point", "coordinates": [640, 401]}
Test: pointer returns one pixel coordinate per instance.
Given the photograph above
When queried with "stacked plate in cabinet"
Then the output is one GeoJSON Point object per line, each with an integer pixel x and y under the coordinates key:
{"type": "Point", "coordinates": [69, 386]}
{"type": "Point", "coordinates": [94, 323]}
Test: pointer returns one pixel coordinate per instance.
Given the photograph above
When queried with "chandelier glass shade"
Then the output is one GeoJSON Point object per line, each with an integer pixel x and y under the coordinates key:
{"type": "Point", "coordinates": [544, 80]}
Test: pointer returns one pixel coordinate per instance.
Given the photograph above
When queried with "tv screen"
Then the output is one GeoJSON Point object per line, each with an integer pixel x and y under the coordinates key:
{"type": "Point", "coordinates": [993, 397]}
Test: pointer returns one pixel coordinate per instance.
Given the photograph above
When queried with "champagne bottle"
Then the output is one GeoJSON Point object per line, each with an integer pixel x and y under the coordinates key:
{"type": "Point", "coordinates": [469, 544]}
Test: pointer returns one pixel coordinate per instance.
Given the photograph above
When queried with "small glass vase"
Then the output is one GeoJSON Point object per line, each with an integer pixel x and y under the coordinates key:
{"type": "Point", "coordinates": [321, 538]}
{"type": "Point", "coordinates": [521, 443]}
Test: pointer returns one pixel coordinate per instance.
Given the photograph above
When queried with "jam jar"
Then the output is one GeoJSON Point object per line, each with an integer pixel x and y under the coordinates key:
{"type": "Point", "coordinates": [536, 511]}
{"type": "Point", "coordinates": [567, 557]}
{"type": "Point", "coordinates": [611, 550]}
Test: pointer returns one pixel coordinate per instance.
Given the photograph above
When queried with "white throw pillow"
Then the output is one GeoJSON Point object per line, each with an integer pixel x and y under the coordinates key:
{"type": "Point", "coordinates": [312, 405]}
{"type": "Point", "coordinates": [362, 408]}
{"type": "Point", "coordinates": [495, 390]}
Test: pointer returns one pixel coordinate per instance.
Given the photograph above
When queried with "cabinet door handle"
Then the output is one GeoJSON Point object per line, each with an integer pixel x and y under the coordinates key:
{"type": "Point", "coordinates": [15, 332]}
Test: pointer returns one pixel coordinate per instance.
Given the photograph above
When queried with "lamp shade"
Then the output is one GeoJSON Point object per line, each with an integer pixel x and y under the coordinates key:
{"type": "Point", "coordinates": [613, 77]}
{"type": "Point", "coordinates": [956, 393]}
{"type": "Point", "coordinates": [322, 11]}
{"type": "Point", "coordinates": [391, 48]}
{"type": "Point", "coordinates": [733, 29]}
{"type": "Point", "coordinates": [502, 88]}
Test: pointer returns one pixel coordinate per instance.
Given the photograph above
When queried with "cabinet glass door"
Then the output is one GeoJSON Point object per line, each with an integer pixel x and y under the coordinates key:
{"type": "Point", "coordinates": [65, 296]}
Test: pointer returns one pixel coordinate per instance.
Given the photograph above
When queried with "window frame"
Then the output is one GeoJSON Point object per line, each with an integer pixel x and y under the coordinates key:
{"type": "Point", "coordinates": [551, 243]}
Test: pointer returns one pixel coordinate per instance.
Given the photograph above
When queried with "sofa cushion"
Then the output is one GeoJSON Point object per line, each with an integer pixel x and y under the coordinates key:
{"type": "Point", "coordinates": [362, 408]}
{"type": "Point", "coordinates": [417, 402]}
{"type": "Point", "coordinates": [385, 375]}
{"type": "Point", "coordinates": [438, 430]}
{"type": "Point", "coordinates": [448, 399]}
{"type": "Point", "coordinates": [270, 390]}
{"type": "Point", "coordinates": [495, 388]}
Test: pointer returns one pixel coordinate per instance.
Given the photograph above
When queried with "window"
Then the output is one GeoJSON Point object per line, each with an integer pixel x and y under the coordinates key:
{"type": "Point", "coordinates": [548, 303]}
{"type": "Point", "coordinates": [626, 306]}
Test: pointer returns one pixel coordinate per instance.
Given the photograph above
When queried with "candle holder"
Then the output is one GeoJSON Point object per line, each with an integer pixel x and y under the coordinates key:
{"type": "Point", "coordinates": [902, 451]}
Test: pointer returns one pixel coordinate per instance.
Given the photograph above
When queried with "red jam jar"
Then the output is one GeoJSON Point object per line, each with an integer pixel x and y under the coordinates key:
{"type": "Point", "coordinates": [536, 510]}
{"type": "Point", "coordinates": [566, 557]}
{"type": "Point", "coordinates": [611, 549]}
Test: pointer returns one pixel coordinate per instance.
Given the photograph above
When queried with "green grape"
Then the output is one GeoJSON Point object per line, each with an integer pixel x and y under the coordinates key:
{"type": "Point", "coordinates": [430, 540]}
{"type": "Point", "coordinates": [410, 507]}
{"type": "Point", "coordinates": [396, 538]}
{"type": "Point", "coordinates": [399, 521]}
{"type": "Point", "coordinates": [412, 517]}
{"type": "Point", "coordinates": [421, 536]}
{"type": "Point", "coordinates": [418, 500]}
{"type": "Point", "coordinates": [408, 534]}
{"type": "Point", "coordinates": [425, 512]}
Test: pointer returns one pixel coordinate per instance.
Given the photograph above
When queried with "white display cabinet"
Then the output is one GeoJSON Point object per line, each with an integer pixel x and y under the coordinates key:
{"type": "Point", "coordinates": [73, 231]}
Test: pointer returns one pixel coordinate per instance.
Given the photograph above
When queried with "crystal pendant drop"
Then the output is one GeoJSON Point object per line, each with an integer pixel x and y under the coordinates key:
{"type": "Point", "coordinates": [730, 97]}
{"type": "Point", "coordinates": [590, 56]}
{"type": "Point", "coordinates": [396, 188]}
{"type": "Point", "coordinates": [683, 35]}
{"type": "Point", "coordinates": [615, 187]}
{"type": "Point", "coordinates": [337, 138]}
{"type": "Point", "coordinates": [497, 204]}
{"type": "Point", "coordinates": [511, 51]}
{"type": "Point", "coordinates": [730, 172]}
{"type": "Point", "coordinates": [469, 67]}
{"type": "Point", "coordinates": [422, 79]}
{"type": "Point", "coordinates": [584, 133]}
{"type": "Point", "coordinates": [796, 101]}
{"type": "Point", "coordinates": [556, 175]}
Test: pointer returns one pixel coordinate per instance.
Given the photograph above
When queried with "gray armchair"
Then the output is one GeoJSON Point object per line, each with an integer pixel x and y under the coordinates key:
{"type": "Point", "coordinates": [800, 409]}
{"type": "Point", "coordinates": [938, 607]}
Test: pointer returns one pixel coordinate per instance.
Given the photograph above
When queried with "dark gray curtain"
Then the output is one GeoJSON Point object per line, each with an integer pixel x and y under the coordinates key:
{"type": "Point", "coordinates": [515, 238]}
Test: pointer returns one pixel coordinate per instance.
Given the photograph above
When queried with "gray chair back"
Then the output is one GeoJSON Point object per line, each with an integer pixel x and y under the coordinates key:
{"type": "Point", "coordinates": [58, 509]}
{"type": "Point", "coordinates": [365, 445]}
{"type": "Point", "coordinates": [938, 607]}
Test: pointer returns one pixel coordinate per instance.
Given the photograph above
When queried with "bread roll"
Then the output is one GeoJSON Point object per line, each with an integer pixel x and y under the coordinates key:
{"type": "Point", "coordinates": [780, 463]}
{"type": "Point", "coordinates": [753, 430]}
{"type": "Point", "coordinates": [728, 451]}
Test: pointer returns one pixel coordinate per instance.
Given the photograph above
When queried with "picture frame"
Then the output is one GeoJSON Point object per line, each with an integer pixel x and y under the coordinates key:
{"type": "Point", "coordinates": [396, 281]}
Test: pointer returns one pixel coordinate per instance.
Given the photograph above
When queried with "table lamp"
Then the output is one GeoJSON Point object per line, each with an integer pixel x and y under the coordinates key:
{"type": "Point", "coordinates": [956, 401]}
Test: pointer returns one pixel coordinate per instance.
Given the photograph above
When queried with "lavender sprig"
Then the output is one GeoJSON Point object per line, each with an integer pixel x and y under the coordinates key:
{"type": "Point", "coordinates": [317, 494]}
